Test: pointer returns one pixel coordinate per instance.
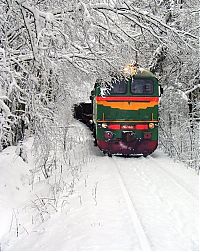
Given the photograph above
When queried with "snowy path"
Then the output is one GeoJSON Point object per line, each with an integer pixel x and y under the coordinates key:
{"type": "Point", "coordinates": [162, 208]}
{"type": "Point", "coordinates": [123, 204]}
{"type": "Point", "coordinates": [167, 209]}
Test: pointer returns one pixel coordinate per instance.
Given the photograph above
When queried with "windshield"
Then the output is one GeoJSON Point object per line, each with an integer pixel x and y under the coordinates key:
{"type": "Point", "coordinates": [142, 86]}
{"type": "Point", "coordinates": [117, 86]}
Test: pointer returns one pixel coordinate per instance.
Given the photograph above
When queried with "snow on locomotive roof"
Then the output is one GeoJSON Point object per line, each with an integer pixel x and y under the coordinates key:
{"type": "Point", "coordinates": [134, 70]}
{"type": "Point", "coordinates": [128, 71]}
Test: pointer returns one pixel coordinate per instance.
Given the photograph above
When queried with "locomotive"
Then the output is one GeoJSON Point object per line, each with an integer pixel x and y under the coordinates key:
{"type": "Point", "coordinates": [124, 112]}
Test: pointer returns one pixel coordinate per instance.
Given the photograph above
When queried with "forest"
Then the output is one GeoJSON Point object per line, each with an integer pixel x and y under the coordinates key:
{"type": "Point", "coordinates": [51, 53]}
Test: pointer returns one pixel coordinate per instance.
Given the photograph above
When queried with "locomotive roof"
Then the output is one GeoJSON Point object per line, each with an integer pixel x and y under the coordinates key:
{"type": "Point", "coordinates": [135, 71]}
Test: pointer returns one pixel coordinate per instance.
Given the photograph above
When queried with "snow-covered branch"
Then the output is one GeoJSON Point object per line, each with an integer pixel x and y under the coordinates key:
{"type": "Point", "coordinates": [192, 89]}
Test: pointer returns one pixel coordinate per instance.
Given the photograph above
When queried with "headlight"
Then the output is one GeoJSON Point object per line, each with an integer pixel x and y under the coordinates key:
{"type": "Point", "coordinates": [151, 125]}
{"type": "Point", "coordinates": [104, 125]}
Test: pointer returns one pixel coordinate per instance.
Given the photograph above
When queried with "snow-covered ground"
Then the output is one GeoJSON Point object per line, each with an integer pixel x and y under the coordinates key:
{"type": "Point", "coordinates": [117, 204]}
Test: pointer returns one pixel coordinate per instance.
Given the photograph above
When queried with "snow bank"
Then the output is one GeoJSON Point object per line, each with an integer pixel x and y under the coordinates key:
{"type": "Point", "coordinates": [89, 211]}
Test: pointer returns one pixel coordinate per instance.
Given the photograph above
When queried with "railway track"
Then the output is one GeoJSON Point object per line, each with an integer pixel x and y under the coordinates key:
{"type": "Point", "coordinates": [138, 227]}
{"type": "Point", "coordinates": [150, 191]}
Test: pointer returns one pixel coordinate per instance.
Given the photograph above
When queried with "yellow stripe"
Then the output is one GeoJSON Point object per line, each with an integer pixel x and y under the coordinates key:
{"type": "Point", "coordinates": [128, 105]}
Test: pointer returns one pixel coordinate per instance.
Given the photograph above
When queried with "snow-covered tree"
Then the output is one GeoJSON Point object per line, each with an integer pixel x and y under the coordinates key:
{"type": "Point", "coordinates": [52, 51]}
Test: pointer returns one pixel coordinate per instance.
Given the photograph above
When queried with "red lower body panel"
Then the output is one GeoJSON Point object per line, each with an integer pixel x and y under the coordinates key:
{"type": "Point", "coordinates": [139, 146]}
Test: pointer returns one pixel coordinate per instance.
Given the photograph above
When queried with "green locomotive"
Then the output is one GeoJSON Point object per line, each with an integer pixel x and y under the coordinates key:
{"type": "Point", "coordinates": [125, 116]}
